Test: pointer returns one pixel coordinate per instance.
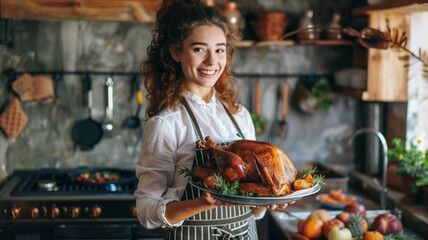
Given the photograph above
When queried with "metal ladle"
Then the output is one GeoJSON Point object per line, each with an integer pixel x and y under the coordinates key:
{"type": "Point", "coordinates": [108, 125]}
{"type": "Point", "coordinates": [134, 122]}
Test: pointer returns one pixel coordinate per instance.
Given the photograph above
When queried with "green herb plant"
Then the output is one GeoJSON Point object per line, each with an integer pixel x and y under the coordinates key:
{"type": "Point", "coordinates": [321, 90]}
{"type": "Point", "coordinates": [259, 122]}
{"type": "Point", "coordinates": [411, 160]}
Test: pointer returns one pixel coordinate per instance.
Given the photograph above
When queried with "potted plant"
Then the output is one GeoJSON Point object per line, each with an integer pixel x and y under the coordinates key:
{"type": "Point", "coordinates": [313, 96]}
{"type": "Point", "coordinates": [395, 153]}
{"type": "Point", "coordinates": [411, 164]}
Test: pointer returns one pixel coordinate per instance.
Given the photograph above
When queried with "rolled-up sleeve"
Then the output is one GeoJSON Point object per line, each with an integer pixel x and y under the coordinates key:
{"type": "Point", "coordinates": [155, 171]}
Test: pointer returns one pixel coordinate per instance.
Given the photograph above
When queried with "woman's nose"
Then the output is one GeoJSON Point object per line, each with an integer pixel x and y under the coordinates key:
{"type": "Point", "coordinates": [210, 58]}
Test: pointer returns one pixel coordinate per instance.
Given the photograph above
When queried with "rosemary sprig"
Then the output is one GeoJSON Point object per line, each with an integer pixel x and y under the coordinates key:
{"type": "Point", "coordinates": [186, 171]}
{"type": "Point", "coordinates": [230, 188]}
{"type": "Point", "coordinates": [317, 178]}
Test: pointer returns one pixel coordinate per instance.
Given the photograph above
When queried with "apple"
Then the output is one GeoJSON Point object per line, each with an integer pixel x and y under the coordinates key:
{"type": "Point", "coordinates": [344, 217]}
{"type": "Point", "coordinates": [387, 223]}
{"type": "Point", "coordinates": [355, 208]}
{"type": "Point", "coordinates": [339, 234]}
{"type": "Point", "coordinates": [210, 182]}
{"type": "Point", "coordinates": [330, 224]}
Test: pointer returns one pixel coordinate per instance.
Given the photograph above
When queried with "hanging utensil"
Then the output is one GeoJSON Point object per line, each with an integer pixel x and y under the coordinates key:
{"type": "Point", "coordinates": [258, 120]}
{"type": "Point", "coordinates": [108, 125]}
{"type": "Point", "coordinates": [282, 130]}
{"type": "Point", "coordinates": [87, 132]}
{"type": "Point", "coordinates": [275, 125]}
{"type": "Point", "coordinates": [134, 122]}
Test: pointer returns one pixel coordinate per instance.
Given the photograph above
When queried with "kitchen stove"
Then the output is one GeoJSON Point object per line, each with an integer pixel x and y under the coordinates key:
{"type": "Point", "coordinates": [49, 204]}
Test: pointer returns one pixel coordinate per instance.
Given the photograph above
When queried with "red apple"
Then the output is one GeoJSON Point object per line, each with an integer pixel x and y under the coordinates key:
{"type": "Point", "coordinates": [387, 224]}
{"type": "Point", "coordinates": [339, 234]}
{"type": "Point", "coordinates": [330, 224]}
{"type": "Point", "coordinates": [210, 182]}
{"type": "Point", "coordinates": [344, 217]}
{"type": "Point", "coordinates": [355, 208]}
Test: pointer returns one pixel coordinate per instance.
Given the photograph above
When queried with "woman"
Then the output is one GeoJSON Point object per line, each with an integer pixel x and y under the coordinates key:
{"type": "Point", "coordinates": [190, 92]}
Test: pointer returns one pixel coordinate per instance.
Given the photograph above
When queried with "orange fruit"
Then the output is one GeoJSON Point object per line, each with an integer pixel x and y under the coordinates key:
{"type": "Point", "coordinates": [373, 235]}
{"type": "Point", "coordinates": [312, 228]}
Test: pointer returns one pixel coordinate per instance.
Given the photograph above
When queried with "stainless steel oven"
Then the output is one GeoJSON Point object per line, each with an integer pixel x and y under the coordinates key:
{"type": "Point", "coordinates": [48, 204]}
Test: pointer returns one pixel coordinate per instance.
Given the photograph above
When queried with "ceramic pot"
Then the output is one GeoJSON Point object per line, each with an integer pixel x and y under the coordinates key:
{"type": "Point", "coordinates": [269, 25]}
{"type": "Point", "coordinates": [394, 180]}
{"type": "Point", "coordinates": [410, 197]}
{"type": "Point", "coordinates": [231, 12]}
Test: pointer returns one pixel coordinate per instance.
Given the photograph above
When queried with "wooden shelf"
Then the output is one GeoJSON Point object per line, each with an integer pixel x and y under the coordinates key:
{"type": "Point", "coordinates": [326, 42]}
{"type": "Point", "coordinates": [92, 10]}
{"type": "Point", "coordinates": [349, 92]}
{"type": "Point", "coordinates": [394, 6]}
{"type": "Point", "coordinates": [322, 42]}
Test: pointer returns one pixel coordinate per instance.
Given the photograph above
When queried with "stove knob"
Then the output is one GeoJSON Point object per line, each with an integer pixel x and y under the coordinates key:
{"type": "Point", "coordinates": [15, 212]}
{"type": "Point", "coordinates": [54, 211]}
{"type": "Point", "coordinates": [133, 211]}
{"type": "Point", "coordinates": [35, 212]}
{"type": "Point", "coordinates": [95, 211]}
{"type": "Point", "coordinates": [74, 212]}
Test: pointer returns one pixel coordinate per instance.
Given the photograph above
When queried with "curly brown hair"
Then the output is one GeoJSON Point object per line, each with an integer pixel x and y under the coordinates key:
{"type": "Point", "coordinates": [164, 79]}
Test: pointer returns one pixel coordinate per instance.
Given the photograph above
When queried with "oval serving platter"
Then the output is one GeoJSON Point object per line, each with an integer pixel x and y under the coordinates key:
{"type": "Point", "coordinates": [259, 200]}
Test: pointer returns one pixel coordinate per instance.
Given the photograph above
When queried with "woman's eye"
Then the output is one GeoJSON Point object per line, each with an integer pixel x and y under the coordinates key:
{"type": "Point", "coordinates": [198, 50]}
{"type": "Point", "coordinates": [220, 50]}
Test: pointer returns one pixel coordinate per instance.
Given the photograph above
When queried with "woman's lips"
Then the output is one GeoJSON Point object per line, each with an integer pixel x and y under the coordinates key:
{"type": "Point", "coordinates": [207, 72]}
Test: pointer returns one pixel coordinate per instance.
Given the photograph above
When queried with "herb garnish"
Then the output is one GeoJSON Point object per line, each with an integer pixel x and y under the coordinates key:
{"type": "Point", "coordinates": [316, 177]}
{"type": "Point", "coordinates": [230, 188]}
{"type": "Point", "coordinates": [186, 171]}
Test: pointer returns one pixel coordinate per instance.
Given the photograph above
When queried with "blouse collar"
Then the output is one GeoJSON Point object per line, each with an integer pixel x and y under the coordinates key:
{"type": "Point", "coordinates": [197, 99]}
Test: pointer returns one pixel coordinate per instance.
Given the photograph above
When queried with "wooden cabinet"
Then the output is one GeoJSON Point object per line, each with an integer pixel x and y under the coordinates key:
{"type": "Point", "coordinates": [387, 74]}
{"type": "Point", "coordinates": [98, 10]}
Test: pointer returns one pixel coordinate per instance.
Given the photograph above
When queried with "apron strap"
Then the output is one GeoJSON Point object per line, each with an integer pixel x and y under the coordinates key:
{"type": "Point", "coordinates": [196, 125]}
{"type": "Point", "coordinates": [233, 120]}
{"type": "Point", "coordinates": [193, 118]}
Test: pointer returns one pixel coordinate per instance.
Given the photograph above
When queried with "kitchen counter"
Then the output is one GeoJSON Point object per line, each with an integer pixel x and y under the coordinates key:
{"type": "Point", "coordinates": [281, 225]}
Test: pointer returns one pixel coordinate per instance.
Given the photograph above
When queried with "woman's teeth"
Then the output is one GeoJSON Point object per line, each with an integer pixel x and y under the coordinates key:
{"type": "Point", "coordinates": [207, 72]}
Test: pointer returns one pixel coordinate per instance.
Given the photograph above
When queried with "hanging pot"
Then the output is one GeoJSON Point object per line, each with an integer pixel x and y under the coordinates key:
{"type": "Point", "coordinates": [87, 132]}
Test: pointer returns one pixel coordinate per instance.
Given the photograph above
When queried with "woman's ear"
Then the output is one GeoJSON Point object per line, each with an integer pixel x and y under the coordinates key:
{"type": "Point", "coordinates": [174, 53]}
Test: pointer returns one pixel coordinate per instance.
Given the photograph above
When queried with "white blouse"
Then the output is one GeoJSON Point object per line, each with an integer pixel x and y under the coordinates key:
{"type": "Point", "coordinates": [169, 143]}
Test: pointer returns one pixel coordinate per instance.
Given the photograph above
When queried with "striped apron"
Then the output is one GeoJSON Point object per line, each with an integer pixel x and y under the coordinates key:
{"type": "Point", "coordinates": [219, 223]}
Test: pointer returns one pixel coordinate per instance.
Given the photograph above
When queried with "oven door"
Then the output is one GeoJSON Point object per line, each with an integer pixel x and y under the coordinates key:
{"type": "Point", "coordinates": [107, 231]}
{"type": "Point", "coordinates": [79, 231]}
{"type": "Point", "coordinates": [92, 232]}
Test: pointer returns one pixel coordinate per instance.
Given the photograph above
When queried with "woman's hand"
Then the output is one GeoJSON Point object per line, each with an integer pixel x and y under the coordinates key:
{"type": "Point", "coordinates": [215, 202]}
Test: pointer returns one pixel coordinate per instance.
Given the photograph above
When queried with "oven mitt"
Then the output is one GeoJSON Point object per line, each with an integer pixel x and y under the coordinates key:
{"type": "Point", "coordinates": [23, 86]}
{"type": "Point", "coordinates": [34, 88]}
{"type": "Point", "coordinates": [13, 119]}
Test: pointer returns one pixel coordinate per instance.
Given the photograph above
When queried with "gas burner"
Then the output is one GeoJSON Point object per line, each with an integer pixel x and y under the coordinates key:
{"type": "Point", "coordinates": [47, 185]}
{"type": "Point", "coordinates": [113, 188]}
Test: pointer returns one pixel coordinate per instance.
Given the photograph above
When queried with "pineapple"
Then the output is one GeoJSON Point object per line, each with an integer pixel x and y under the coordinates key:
{"type": "Point", "coordinates": [357, 224]}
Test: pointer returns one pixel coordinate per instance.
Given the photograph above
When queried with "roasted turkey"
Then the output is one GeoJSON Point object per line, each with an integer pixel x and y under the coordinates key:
{"type": "Point", "coordinates": [259, 167]}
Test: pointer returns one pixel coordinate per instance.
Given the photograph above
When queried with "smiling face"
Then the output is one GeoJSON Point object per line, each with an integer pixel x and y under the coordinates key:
{"type": "Point", "coordinates": [203, 59]}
